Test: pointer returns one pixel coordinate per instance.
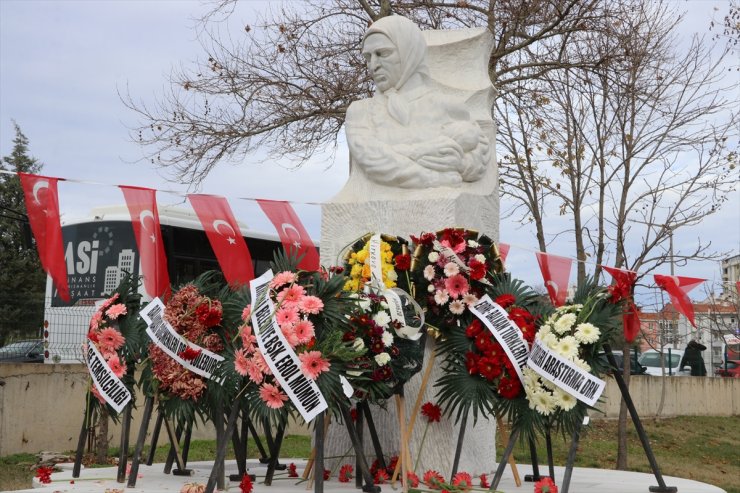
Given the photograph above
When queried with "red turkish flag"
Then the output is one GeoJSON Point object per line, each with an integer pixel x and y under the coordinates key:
{"type": "Point", "coordinates": [42, 206]}
{"type": "Point", "coordinates": [225, 237]}
{"type": "Point", "coordinates": [678, 289]}
{"type": "Point", "coordinates": [555, 271]}
{"type": "Point", "coordinates": [503, 250]}
{"type": "Point", "coordinates": [142, 206]}
{"type": "Point", "coordinates": [624, 283]}
{"type": "Point", "coordinates": [292, 234]}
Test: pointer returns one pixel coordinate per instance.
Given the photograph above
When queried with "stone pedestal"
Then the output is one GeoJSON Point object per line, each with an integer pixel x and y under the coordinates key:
{"type": "Point", "coordinates": [407, 213]}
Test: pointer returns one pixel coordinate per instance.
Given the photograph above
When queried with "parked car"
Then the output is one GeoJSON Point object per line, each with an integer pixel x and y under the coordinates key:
{"type": "Point", "coordinates": [635, 367]}
{"type": "Point", "coordinates": [28, 351]}
{"type": "Point", "coordinates": [651, 360]}
{"type": "Point", "coordinates": [732, 370]}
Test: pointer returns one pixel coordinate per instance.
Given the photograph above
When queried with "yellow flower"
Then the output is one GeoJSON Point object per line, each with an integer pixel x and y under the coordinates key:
{"type": "Point", "coordinates": [362, 256]}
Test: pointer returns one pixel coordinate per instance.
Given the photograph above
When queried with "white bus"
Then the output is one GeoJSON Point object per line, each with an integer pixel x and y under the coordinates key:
{"type": "Point", "coordinates": [98, 249]}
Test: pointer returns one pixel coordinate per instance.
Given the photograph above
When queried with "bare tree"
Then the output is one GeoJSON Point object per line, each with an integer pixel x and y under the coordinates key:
{"type": "Point", "coordinates": [632, 150]}
{"type": "Point", "coordinates": [284, 83]}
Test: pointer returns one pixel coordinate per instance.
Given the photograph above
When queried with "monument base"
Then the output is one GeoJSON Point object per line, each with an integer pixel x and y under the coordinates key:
{"type": "Point", "coordinates": [343, 223]}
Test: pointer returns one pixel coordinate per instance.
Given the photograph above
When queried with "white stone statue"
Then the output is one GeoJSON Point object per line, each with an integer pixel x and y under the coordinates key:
{"type": "Point", "coordinates": [410, 134]}
{"type": "Point", "coordinates": [422, 158]}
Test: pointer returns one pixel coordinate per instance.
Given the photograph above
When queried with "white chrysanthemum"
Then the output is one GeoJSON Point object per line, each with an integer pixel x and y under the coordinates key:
{"type": "Point", "coordinates": [544, 330]}
{"type": "Point", "coordinates": [480, 258]}
{"type": "Point", "coordinates": [429, 272]}
{"type": "Point", "coordinates": [564, 323]}
{"type": "Point", "coordinates": [358, 345]}
{"type": "Point", "coordinates": [441, 297]}
{"type": "Point", "coordinates": [470, 299]}
{"type": "Point", "coordinates": [433, 256]}
{"type": "Point", "coordinates": [392, 275]}
{"type": "Point", "coordinates": [564, 400]}
{"type": "Point", "coordinates": [382, 319]}
{"type": "Point", "coordinates": [387, 338]}
{"type": "Point", "coordinates": [431, 288]}
{"type": "Point", "coordinates": [550, 340]}
{"type": "Point", "coordinates": [587, 333]}
{"type": "Point", "coordinates": [472, 244]}
{"type": "Point", "coordinates": [382, 358]}
{"type": "Point", "coordinates": [567, 347]}
{"type": "Point", "coordinates": [543, 402]}
{"type": "Point", "coordinates": [531, 379]}
{"type": "Point", "coordinates": [582, 364]}
{"type": "Point", "coordinates": [457, 307]}
{"type": "Point", "coordinates": [451, 269]}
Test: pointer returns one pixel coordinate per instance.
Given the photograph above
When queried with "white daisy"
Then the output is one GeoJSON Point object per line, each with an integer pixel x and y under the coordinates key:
{"type": "Point", "coordinates": [429, 272]}
{"type": "Point", "coordinates": [441, 297]}
{"type": "Point", "coordinates": [564, 400]}
{"type": "Point", "coordinates": [543, 403]}
{"type": "Point", "coordinates": [457, 307]}
{"type": "Point", "coordinates": [433, 256]}
{"type": "Point", "coordinates": [567, 347]}
{"type": "Point", "coordinates": [470, 299]}
{"type": "Point", "coordinates": [451, 269]}
{"type": "Point", "coordinates": [587, 333]}
{"type": "Point", "coordinates": [564, 323]}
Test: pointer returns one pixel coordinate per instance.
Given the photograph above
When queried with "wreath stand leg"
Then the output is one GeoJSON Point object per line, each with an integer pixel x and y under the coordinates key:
{"type": "Point", "coordinates": [404, 457]}
{"type": "Point", "coordinates": [221, 442]}
{"type": "Point", "coordinates": [369, 487]}
{"type": "Point", "coordinates": [661, 488]}
{"type": "Point", "coordinates": [136, 459]}
{"type": "Point", "coordinates": [271, 447]}
{"type": "Point", "coordinates": [186, 444]}
{"type": "Point", "coordinates": [504, 459]}
{"type": "Point", "coordinates": [535, 476]}
{"type": "Point", "coordinates": [460, 439]}
{"type": "Point", "coordinates": [550, 462]}
{"type": "Point", "coordinates": [571, 458]}
{"type": "Point", "coordinates": [505, 439]}
{"type": "Point", "coordinates": [318, 464]}
{"type": "Point", "coordinates": [373, 433]}
{"type": "Point", "coordinates": [258, 442]}
{"type": "Point", "coordinates": [155, 438]}
{"type": "Point", "coordinates": [175, 451]}
{"type": "Point", "coordinates": [123, 452]}
{"type": "Point", "coordinates": [84, 432]}
{"type": "Point", "coordinates": [218, 469]}
{"type": "Point", "coordinates": [275, 454]}
{"type": "Point", "coordinates": [360, 431]}
{"type": "Point", "coordinates": [239, 441]}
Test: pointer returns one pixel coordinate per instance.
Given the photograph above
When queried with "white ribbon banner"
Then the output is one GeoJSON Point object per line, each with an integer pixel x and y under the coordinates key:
{"type": "Point", "coordinates": [280, 357]}
{"type": "Point", "coordinates": [108, 384]}
{"type": "Point", "coordinates": [565, 374]}
{"type": "Point", "coordinates": [504, 330]}
{"type": "Point", "coordinates": [375, 257]}
{"type": "Point", "coordinates": [164, 336]}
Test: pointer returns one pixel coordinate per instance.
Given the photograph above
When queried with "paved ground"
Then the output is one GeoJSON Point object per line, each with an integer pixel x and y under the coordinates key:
{"type": "Point", "coordinates": [153, 480]}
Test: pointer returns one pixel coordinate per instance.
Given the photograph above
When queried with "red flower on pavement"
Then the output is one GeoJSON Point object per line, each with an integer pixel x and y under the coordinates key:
{"type": "Point", "coordinates": [381, 476]}
{"type": "Point", "coordinates": [545, 485]}
{"type": "Point", "coordinates": [327, 474]}
{"type": "Point", "coordinates": [292, 472]}
{"type": "Point", "coordinates": [433, 479]}
{"type": "Point", "coordinates": [463, 481]}
{"type": "Point", "coordinates": [484, 481]}
{"type": "Point", "coordinates": [345, 473]}
{"type": "Point", "coordinates": [43, 473]}
{"type": "Point", "coordinates": [246, 484]}
{"type": "Point", "coordinates": [432, 412]}
{"type": "Point", "coordinates": [413, 479]}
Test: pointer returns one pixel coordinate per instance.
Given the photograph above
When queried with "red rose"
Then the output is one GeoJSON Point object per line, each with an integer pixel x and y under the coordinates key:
{"type": "Point", "coordinates": [403, 262]}
{"type": "Point", "coordinates": [505, 300]}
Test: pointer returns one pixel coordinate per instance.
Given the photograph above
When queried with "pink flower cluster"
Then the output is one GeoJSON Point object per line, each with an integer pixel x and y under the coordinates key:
{"type": "Point", "coordinates": [107, 339]}
{"type": "Point", "coordinates": [293, 310]}
{"type": "Point", "coordinates": [196, 318]}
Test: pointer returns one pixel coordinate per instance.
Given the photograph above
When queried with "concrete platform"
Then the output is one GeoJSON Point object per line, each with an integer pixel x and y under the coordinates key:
{"type": "Point", "coordinates": [153, 480]}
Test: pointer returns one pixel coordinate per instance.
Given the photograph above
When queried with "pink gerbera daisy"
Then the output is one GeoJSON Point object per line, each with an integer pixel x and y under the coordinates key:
{"type": "Point", "coordinates": [313, 364]}
{"type": "Point", "coordinates": [456, 286]}
{"type": "Point", "coordinates": [118, 369]}
{"type": "Point", "coordinates": [291, 296]}
{"type": "Point", "coordinates": [289, 333]}
{"type": "Point", "coordinates": [287, 316]}
{"type": "Point", "coordinates": [259, 360]}
{"type": "Point", "coordinates": [116, 311]}
{"type": "Point", "coordinates": [272, 396]}
{"type": "Point", "coordinates": [95, 321]}
{"type": "Point", "coordinates": [311, 305]}
{"type": "Point", "coordinates": [110, 339]}
{"type": "Point", "coordinates": [240, 362]}
{"type": "Point", "coordinates": [246, 313]}
{"type": "Point", "coordinates": [304, 331]}
{"type": "Point", "coordinates": [281, 278]}
{"type": "Point", "coordinates": [254, 371]}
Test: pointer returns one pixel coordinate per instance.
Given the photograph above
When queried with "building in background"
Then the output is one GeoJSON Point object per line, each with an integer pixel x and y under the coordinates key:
{"type": "Point", "coordinates": [730, 277]}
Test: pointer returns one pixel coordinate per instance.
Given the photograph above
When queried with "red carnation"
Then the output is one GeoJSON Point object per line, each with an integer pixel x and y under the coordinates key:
{"type": "Point", "coordinates": [209, 314]}
{"type": "Point", "coordinates": [545, 485]}
{"type": "Point", "coordinates": [509, 387]}
{"type": "Point", "coordinates": [403, 261]}
{"type": "Point", "coordinates": [425, 239]}
{"type": "Point", "coordinates": [189, 354]}
{"type": "Point", "coordinates": [246, 484]}
{"type": "Point", "coordinates": [477, 270]}
{"type": "Point", "coordinates": [505, 300]}
{"type": "Point", "coordinates": [432, 412]}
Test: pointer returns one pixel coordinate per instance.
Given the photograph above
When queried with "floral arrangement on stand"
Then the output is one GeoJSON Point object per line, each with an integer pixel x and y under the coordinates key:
{"type": "Point", "coordinates": [576, 332]}
{"type": "Point", "coordinates": [117, 333]}
{"type": "Point", "coordinates": [395, 263]}
{"type": "Point", "coordinates": [195, 312]}
{"type": "Point", "coordinates": [310, 309]}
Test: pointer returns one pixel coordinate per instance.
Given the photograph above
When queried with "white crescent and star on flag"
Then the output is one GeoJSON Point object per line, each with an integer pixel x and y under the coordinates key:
{"type": "Point", "coordinates": [230, 236]}
{"type": "Point", "coordinates": [36, 189]}
{"type": "Point", "coordinates": [287, 226]}
{"type": "Point", "coordinates": [146, 213]}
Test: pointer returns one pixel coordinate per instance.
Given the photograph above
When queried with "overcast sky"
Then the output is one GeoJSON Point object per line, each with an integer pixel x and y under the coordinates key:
{"type": "Point", "coordinates": [62, 63]}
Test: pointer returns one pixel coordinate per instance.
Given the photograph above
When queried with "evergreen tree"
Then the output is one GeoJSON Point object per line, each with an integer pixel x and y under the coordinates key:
{"type": "Point", "coordinates": [22, 280]}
